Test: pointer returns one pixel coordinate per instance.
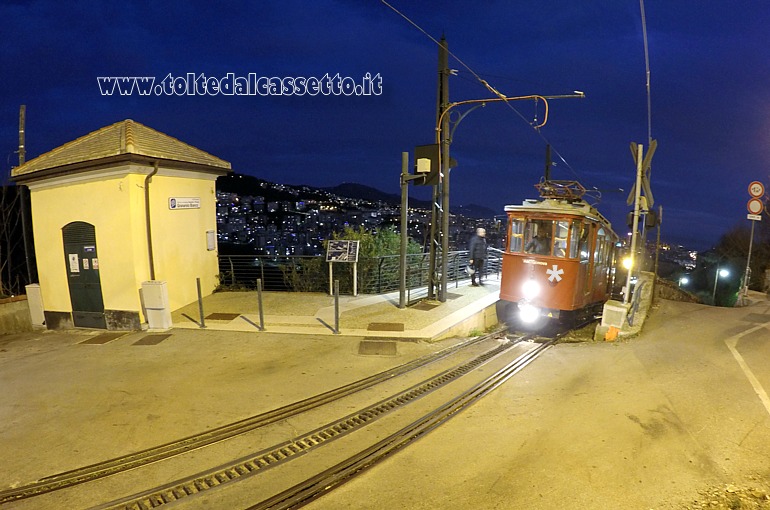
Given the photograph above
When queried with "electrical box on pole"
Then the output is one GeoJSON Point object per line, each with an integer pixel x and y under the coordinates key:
{"type": "Point", "coordinates": [426, 164]}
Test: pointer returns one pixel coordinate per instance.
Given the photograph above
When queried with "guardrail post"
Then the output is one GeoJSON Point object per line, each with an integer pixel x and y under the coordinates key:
{"type": "Point", "coordinates": [457, 270]}
{"type": "Point", "coordinates": [200, 302]}
{"type": "Point", "coordinates": [336, 307]}
{"type": "Point", "coordinates": [259, 302]}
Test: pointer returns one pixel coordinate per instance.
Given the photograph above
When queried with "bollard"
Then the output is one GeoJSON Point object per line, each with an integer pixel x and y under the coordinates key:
{"type": "Point", "coordinates": [336, 307]}
{"type": "Point", "coordinates": [259, 301]}
{"type": "Point", "coordinates": [200, 302]}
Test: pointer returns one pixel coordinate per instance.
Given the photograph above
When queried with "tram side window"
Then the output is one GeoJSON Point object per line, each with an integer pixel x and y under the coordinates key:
{"type": "Point", "coordinates": [598, 245]}
{"type": "Point", "coordinates": [583, 248]}
{"type": "Point", "coordinates": [577, 227]}
{"type": "Point", "coordinates": [516, 236]}
{"type": "Point", "coordinates": [560, 238]}
{"type": "Point", "coordinates": [601, 247]}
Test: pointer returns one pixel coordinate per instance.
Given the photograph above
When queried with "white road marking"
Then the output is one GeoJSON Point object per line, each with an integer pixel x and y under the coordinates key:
{"type": "Point", "coordinates": [731, 344]}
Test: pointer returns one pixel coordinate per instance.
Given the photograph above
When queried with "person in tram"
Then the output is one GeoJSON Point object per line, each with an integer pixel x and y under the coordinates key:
{"type": "Point", "coordinates": [540, 245]}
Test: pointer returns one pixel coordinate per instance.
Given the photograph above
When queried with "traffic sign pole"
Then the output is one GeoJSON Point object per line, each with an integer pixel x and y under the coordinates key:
{"type": "Point", "coordinates": [755, 207]}
{"type": "Point", "coordinates": [748, 262]}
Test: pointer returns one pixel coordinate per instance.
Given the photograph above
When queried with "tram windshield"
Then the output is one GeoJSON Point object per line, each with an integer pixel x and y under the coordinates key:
{"type": "Point", "coordinates": [557, 238]}
{"type": "Point", "coordinates": [538, 236]}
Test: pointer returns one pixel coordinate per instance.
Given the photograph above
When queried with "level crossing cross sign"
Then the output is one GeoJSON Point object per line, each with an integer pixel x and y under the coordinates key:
{"type": "Point", "coordinates": [646, 169]}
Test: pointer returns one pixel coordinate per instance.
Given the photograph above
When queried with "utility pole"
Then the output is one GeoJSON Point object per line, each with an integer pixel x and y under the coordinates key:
{"type": "Point", "coordinates": [637, 193]}
{"type": "Point", "coordinates": [23, 193]}
{"type": "Point", "coordinates": [444, 181]}
{"type": "Point", "coordinates": [404, 229]}
{"type": "Point", "coordinates": [439, 225]}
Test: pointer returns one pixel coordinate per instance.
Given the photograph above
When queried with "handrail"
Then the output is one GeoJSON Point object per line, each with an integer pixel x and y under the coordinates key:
{"type": "Point", "coordinates": [304, 273]}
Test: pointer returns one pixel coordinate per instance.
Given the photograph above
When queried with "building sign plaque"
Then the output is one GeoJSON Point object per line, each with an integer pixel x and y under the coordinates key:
{"type": "Point", "coordinates": [184, 203]}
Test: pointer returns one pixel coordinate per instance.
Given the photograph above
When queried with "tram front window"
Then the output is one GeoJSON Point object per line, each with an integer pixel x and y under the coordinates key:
{"type": "Point", "coordinates": [538, 235]}
{"type": "Point", "coordinates": [516, 235]}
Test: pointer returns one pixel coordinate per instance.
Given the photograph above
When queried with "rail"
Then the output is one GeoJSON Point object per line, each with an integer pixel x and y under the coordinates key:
{"type": "Point", "coordinates": [376, 275]}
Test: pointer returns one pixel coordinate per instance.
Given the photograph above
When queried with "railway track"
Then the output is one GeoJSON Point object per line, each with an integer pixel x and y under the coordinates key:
{"type": "Point", "coordinates": [342, 472]}
{"type": "Point", "coordinates": [263, 460]}
{"type": "Point", "coordinates": [185, 445]}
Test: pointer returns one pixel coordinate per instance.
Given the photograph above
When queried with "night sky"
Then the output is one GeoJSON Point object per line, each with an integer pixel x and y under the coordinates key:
{"type": "Point", "coordinates": [709, 63]}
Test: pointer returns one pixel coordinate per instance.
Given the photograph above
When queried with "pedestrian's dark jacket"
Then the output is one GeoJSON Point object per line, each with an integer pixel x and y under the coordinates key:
{"type": "Point", "coordinates": [477, 249]}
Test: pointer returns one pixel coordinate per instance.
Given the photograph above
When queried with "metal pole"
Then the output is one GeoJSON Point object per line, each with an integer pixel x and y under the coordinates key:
{"type": "Point", "coordinates": [443, 104]}
{"type": "Point", "coordinates": [657, 241]}
{"type": "Point", "coordinates": [640, 151]}
{"type": "Point", "coordinates": [259, 302]}
{"type": "Point", "coordinates": [336, 307]}
{"type": "Point", "coordinates": [716, 280]}
{"type": "Point", "coordinates": [404, 228]}
{"type": "Point", "coordinates": [200, 302]}
{"type": "Point", "coordinates": [748, 262]}
{"type": "Point", "coordinates": [432, 248]}
{"type": "Point", "coordinates": [657, 253]}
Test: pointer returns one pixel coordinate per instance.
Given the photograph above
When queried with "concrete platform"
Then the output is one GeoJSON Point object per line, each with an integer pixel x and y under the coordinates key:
{"type": "Point", "coordinates": [467, 309]}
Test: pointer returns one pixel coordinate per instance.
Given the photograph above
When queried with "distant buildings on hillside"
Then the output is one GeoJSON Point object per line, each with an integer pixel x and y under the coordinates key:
{"type": "Point", "coordinates": [300, 221]}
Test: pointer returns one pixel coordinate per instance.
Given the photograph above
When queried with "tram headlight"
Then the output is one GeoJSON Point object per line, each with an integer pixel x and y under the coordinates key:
{"type": "Point", "coordinates": [530, 289]}
{"type": "Point", "coordinates": [527, 312]}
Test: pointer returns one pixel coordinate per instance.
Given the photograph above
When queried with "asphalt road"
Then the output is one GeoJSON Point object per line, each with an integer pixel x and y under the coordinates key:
{"type": "Point", "coordinates": [651, 422]}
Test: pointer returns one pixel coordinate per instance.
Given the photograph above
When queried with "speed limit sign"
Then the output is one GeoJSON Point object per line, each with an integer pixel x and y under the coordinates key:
{"type": "Point", "coordinates": [756, 189]}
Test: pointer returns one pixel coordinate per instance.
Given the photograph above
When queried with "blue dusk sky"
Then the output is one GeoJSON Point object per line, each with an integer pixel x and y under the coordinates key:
{"type": "Point", "coordinates": [710, 100]}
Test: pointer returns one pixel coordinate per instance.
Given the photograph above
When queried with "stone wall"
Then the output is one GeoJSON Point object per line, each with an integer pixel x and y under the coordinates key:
{"type": "Point", "coordinates": [14, 315]}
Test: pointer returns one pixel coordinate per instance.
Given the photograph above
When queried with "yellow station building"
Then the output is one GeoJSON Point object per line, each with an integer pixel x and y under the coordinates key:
{"type": "Point", "coordinates": [124, 222]}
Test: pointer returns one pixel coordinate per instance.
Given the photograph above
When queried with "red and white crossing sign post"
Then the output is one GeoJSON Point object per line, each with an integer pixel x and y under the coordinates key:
{"type": "Point", "coordinates": [755, 206]}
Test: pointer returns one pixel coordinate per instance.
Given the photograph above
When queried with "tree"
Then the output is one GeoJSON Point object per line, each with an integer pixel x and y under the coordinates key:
{"type": "Point", "coordinates": [734, 246]}
{"type": "Point", "coordinates": [11, 242]}
{"type": "Point", "coordinates": [378, 263]}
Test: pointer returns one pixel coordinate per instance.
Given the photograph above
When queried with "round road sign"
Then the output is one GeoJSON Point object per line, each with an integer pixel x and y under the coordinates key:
{"type": "Point", "coordinates": [755, 206]}
{"type": "Point", "coordinates": [756, 189]}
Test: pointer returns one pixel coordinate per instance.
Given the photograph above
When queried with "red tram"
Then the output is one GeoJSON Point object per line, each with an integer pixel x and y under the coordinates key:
{"type": "Point", "coordinates": [559, 257]}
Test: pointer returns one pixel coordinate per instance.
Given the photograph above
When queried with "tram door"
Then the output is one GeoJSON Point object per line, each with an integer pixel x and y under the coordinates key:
{"type": "Point", "coordinates": [83, 275]}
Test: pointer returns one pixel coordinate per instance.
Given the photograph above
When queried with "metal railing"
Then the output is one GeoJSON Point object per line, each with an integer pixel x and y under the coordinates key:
{"type": "Point", "coordinates": [376, 275]}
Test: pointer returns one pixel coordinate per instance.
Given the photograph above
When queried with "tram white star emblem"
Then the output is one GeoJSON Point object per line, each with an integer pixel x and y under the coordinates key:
{"type": "Point", "coordinates": [555, 273]}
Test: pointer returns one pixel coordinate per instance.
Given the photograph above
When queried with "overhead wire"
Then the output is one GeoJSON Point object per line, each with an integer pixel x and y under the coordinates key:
{"type": "Point", "coordinates": [535, 126]}
{"type": "Point", "coordinates": [647, 71]}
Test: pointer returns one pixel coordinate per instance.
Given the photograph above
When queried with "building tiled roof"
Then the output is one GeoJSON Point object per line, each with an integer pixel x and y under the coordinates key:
{"type": "Point", "coordinates": [122, 138]}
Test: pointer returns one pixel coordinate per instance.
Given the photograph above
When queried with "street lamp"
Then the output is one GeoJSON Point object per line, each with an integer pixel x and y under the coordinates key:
{"type": "Point", "coordinates": [723, 273]}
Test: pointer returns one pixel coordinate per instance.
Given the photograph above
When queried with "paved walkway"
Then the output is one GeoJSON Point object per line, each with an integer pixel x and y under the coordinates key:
{"type": "Point", "coordinates": [300, 313]}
